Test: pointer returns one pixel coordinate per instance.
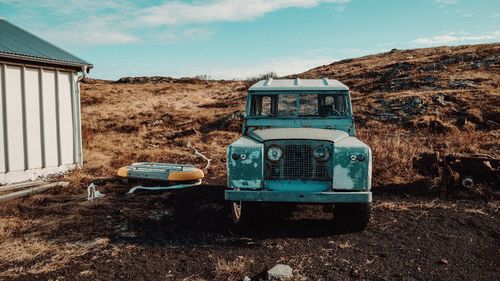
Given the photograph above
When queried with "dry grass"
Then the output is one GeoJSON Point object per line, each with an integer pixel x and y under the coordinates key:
{"type": "Point", "coordinates": [345, 245]}
{"type": "Point", "coordinates": [405, 206]}
{"type": "Point", "coordinates": [21, 242]}
{"type": "Point", "coordinates": [476, 211]}
{"type": "Point", "coordinates": [394, 148]}
{"type": "Point", "coordinates": [392, 206]}
{"type": "Point", "coordinates": [50, 255]}
{"type": "Point", "coordinates": [230, 270]}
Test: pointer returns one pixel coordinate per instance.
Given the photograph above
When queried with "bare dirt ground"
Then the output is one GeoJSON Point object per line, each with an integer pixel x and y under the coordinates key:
{"type": "Point", "coordinates": [184, 235]}
{"type": "Point", "coordinates": [406, 102]}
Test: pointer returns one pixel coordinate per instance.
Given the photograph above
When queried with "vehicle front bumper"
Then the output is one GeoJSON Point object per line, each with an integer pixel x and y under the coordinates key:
{"type": "Point", "coordinates": [299, 197]}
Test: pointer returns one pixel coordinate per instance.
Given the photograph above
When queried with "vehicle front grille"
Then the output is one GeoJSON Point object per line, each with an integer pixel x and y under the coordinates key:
{"type": "Point", "coordinates": [296, 163]}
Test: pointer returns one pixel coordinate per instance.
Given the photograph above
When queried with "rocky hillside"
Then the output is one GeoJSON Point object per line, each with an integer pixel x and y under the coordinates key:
{"type": "Point", "coordinates": [433, 87]}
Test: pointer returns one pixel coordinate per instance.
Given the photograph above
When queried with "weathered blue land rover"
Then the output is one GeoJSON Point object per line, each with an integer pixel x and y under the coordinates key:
{"type": "Point", "coordinates": [299, 145]}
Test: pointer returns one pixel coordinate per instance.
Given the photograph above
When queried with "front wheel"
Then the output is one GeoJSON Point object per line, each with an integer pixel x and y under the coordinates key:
{"type": "Point", "coordinates": [351, 217]}
{"type": "Point", "coordinates": [236, 211]}
{"type": "Point", "coordinates": [242, 213]}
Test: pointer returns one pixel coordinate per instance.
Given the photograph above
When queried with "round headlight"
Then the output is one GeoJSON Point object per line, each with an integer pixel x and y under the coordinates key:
{"type": "Point", "coordinates": [361, 157]}
{"type": "Point", "coordinates": [274, 153]}
{"type": "Point", "coordinates": [321, 153]}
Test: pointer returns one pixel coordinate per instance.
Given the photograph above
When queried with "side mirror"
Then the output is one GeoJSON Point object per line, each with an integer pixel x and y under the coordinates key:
{"type": "Point", "coordinates": [244, 115]}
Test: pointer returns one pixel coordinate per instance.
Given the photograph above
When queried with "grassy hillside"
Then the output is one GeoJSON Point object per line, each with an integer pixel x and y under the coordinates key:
{"type": "Point", "coordinates": [406, 102]}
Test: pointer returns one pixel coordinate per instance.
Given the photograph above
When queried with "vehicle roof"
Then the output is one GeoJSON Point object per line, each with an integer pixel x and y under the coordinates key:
{"type": "Point", "coordinates": [297, 84]}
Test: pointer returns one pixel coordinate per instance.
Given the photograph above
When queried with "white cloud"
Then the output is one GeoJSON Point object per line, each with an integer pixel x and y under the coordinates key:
{"type": "Point", "coordinates": [221, 10]}
{"type": "Point", "coordinates": [238, 69]}
{"type": "Point", "coordinates": [340, 8]}
{"type": "Point", "coordinates": [89, 37]}
{"type": "Point", "coordinates": [71, 7]}
{"type": "Point", "coordinates": [446, 2]}
{"type": "Point", "coordinates": [176, 35]}
{"type": "Point", "coordinates": [281, 65]}
{"type": "Point", "coordinates": [285, 65]}
{"type": "Point", "coordinates": [107, 22]}
{"type": "Point", "coordinates": [462, 12]}
{"type": "Point", "coordinates": [74, 22]}
{"type": "Point", "coordinates": [455, 38]}
{"type": "Point", "coordinates": [235, 70]}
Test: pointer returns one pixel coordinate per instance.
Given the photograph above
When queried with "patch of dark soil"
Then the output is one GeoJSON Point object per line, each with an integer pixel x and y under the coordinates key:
{"type": "Point", "coordinates": [126, 129]}
{"type": "Point", "coordinates": [88, 100]}
{"type": "Point", "coordinates": [230, 122]}
{"type": "Point", "coordinates": [418, 189]}
{"type": "Point", "coordinates": [182, 134]}
{"type": "Point", "coordinates": [221, 104]}
{"type": "Point", "coordinates": [433, 126]}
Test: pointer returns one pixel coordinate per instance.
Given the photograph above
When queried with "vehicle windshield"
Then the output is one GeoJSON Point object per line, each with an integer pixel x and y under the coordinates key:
{"type": "Point", "coordinates": [299, 105]}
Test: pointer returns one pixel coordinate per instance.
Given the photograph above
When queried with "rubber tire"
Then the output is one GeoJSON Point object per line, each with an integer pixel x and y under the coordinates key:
{"type": "Point", "coordinates": [351, 217]}
{"type": "Point", "coordinates": [244, 215]}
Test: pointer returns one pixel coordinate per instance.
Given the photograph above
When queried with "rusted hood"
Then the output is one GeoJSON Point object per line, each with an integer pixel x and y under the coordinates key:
{"type": "Point", "coordinates": [298, 134]}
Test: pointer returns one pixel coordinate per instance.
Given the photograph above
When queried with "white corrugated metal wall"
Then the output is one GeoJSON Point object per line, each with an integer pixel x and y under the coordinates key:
{"type": "Point", "coordinates": [39, 122]}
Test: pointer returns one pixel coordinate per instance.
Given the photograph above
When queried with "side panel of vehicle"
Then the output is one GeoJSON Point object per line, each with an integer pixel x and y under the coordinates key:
{"type": "Point", "coordinates": [352, 168]}
{"type": "Point", "coordinates": [245, 164]}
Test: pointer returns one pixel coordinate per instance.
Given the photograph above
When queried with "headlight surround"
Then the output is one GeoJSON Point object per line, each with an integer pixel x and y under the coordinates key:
{"type": "Point", "coordinates": [274, 153]}
{"type": "Point", "coordinates": [321, 153]}
{"type": "Point", "coordinates": [358, 157]}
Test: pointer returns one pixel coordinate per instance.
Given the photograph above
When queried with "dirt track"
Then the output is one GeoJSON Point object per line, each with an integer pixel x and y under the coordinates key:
{"type": "Point", "coordinates": [184, 235]}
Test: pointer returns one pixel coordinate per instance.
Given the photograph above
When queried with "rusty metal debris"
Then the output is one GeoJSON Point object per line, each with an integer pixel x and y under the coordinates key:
{"type": "Point", "coordinates": [459, 170]}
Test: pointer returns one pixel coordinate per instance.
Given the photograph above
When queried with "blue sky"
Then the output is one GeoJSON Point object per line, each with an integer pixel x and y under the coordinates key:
{"type": "Point", "coordinates": [241, 38]}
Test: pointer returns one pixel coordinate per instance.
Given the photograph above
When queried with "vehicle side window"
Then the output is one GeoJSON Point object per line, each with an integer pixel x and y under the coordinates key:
{"type": "Point", "coordinates": [262, 106]}
{"type": "Point", "coordinates": [287, 105]}
{"type": "Point", "coordinates": [340, 105]}
{"type": "Point", "coordinates": [333, 105]}
{"type": "Point", "coordinates": [266, 106]}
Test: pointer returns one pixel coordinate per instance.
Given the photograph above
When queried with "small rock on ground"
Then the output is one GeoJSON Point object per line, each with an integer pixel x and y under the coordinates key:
{"type": "Point", "coordinates": [280, 272]}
